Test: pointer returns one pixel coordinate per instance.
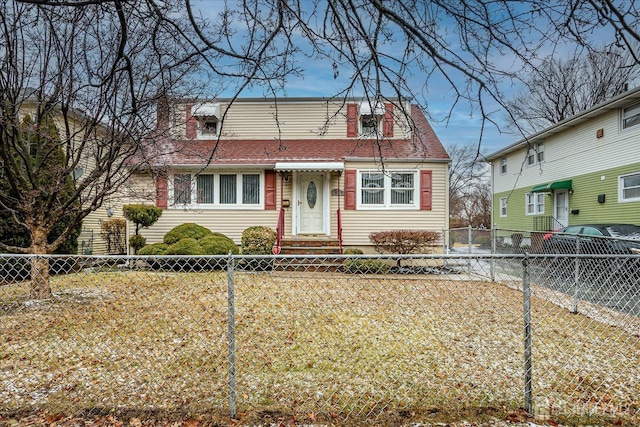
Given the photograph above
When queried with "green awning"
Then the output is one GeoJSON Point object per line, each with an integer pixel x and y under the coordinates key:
{"type": "Point", "coordinates": [550, 186]}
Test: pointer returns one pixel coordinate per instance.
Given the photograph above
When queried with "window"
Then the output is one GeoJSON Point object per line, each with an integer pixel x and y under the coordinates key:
{"type": "Point", "coordinates": [370, 125]}
{"type": "Point", "coordinates": [181, 189]}
{"type": "Point", "coordinates": [535, 154]}
{"type": "Point", "coordinates": [503, 166]}
{"type": "Point", "coordinates": [629, 188]}
{"type": "Point", "coordinates": [208, 126]}
{"type": "Point", "coordinates": [387, 189]}
{"type": "Point", "coordinates": [503, 207]}
{"type": "Point", "coordinates": [535, 203]}
{"type": "Point", "coordinates": [631, 116]}
{"type": "Point", "coordinates": [218, 190]}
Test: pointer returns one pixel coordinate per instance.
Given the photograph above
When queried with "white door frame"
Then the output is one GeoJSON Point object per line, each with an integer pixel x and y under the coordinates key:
{"type": "Point", "coordinates": [298, 191]}
{"type": "Point", "coordinates": [565, 208]}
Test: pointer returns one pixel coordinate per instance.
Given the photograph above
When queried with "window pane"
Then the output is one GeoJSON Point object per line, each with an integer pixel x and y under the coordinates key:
{"type": "Point", "coordinates": [205, 188]}
{"type": "Point", "coordinates": [631, 116]}
{"type": "Point", "coordinates": [182, 189]}
{"type": "Point", "coordinates": [228, 188]}
{"type": "Point", "coordinates": [372, 188]}
{"type": "Point", "coordinates": [370, 124]}
{"type": "Point", "coordinates": [631, 187]}
{"type": "Point", "coordinates": [402, 188]}
{"type": "Point", "coordinates": [251, 189]}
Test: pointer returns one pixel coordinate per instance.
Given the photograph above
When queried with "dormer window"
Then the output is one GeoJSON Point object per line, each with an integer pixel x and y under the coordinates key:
{"type": "Point", "coordinates": [207, 117]}
{"type": "Point", "coordinates": [368, 119]}
{"type": "Point", "coordinates": [371, 118]}
{"type": "Point", "coordinates": [208, 126]}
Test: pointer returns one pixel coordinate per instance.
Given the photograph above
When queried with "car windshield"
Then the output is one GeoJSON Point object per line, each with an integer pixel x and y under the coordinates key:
{"type": "Point", "coordinates": [624, 231]}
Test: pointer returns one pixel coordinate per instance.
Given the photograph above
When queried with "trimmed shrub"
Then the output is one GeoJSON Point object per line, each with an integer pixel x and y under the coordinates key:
{"type": "Point", "coordinates": [142, 215]}
{"type": "Point", "coordinates": [218, 244]}
{"type": "Point", "coordinates": [137, 242]}
{"type": "Point", "coordinates": [372, 266]}
{"type": "Point", "coordinates": [154, 249]}
{"type": "Point", "coordinates": [186, 246]}
{"type": "Point", "coordinates": [258, 240]}
{"type": "Point", "coordinates": [404, 241]}
{"type": "Point", "coordinates": [186, 230]}
{"type": "Point", "coordinates": [353, 251]}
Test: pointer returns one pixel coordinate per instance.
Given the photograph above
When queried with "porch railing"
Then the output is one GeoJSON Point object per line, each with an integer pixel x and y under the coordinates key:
{"type": "Point", "coordinates": [340, 229]}
{"type": "Point", "coordinates": [546, 223]}
{"type": "Point", "coordinates": [279, 232]}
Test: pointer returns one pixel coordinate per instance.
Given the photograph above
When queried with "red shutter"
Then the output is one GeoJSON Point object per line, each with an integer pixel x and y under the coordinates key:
{"type": "Point", "coordinates": [191, 123]}
{"type": "Point", "coordinates": [269, 189]}
{"type": "Point", "coordinates": [350, 188]}
{"type": "Point", "coordinates": [425, 190]}
{"type": "Point", "coordinates": [162, 191]}
{"type": "Point", "coordinates": [387, 121]}
{"type": "Point", "coordinates": [352, 120]}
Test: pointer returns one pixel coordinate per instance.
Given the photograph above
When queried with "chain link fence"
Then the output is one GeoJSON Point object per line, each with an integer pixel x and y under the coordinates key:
{"type": "Point", "coordinates": [323, 338]}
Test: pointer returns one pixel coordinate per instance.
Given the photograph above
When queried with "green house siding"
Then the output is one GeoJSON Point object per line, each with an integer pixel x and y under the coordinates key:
{"type": "Point", "coordinates": [584, 199]}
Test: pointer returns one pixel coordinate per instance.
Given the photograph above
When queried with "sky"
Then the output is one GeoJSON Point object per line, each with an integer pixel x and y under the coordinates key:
{"type": "Point", "coordinates": [463, 125]}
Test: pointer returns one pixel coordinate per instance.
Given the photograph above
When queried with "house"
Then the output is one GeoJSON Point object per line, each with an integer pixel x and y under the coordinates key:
{"type": "Point", "coordinates": [311, 168]}
{"type": "Point", "coordinates": [56, 177]}
{"type": "Point", "coordinates": [585, 169]}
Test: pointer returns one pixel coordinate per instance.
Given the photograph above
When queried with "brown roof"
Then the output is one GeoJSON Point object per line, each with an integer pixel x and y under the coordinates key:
{"type": "Point", "coordinates": [423, 146]}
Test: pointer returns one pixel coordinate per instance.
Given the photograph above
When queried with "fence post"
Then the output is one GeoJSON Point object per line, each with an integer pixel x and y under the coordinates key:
{"type": "Point", "coordinates": [470, 248]}
{"type": "Point", "coordinates": [526, 291]}
{"type": "Point", "coordinates": [232, 338]}
{"type": "Point", "coordinates": [576, 278]}
{"type": "Point", "coordinates": [444, 242]}
{"type": "Point", "coordinates": [494, 232]}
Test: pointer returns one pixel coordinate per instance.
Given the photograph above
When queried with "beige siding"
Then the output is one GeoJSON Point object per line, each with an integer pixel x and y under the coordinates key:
{"type": "Point", "coordinates": [358, 224]}
{"type": "Point", "coordinates": [285, 120]}
{"type": "Point", "coordinates": [230, 223]}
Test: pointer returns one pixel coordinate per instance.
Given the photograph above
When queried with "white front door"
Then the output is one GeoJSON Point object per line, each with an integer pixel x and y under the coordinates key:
{"type": "Point", "coordinates": [311, 203]}
{"type": "Point", "coordinates": [561, 207]}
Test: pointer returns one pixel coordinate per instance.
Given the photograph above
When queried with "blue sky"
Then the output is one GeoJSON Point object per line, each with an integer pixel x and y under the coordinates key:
{"type": "Point", "coordinates": [464, 123]}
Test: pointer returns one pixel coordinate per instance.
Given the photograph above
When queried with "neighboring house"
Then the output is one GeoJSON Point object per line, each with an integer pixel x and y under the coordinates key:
{"type": "Point", "coordinates": [585, 169]}
{"type": "Point", "coordinates": [90, 240]}
{"type": "Point", "coordinates": [311, 168]}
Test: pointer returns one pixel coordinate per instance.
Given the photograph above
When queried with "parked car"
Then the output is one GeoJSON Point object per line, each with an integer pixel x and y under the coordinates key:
{"type": "Point", "coordinates": [594, 239]}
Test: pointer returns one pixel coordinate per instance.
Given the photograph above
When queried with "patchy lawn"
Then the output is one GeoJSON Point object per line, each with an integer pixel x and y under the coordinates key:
{"type": "Point", "coordinates": [322, 346]}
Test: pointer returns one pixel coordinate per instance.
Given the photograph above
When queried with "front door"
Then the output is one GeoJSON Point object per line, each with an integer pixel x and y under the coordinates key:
{"type": "Point", "coordinates": [311, 204]}
{"type": "Point", "coordinates": [561, 207]}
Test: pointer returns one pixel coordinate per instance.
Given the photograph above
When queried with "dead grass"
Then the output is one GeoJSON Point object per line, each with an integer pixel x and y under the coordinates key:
{"type": "Point", "coordinates": [334, 346]}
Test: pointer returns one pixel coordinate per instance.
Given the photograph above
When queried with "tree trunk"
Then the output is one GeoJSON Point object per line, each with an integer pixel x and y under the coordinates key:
{"type": "Point", "coordinates": [40, 283]}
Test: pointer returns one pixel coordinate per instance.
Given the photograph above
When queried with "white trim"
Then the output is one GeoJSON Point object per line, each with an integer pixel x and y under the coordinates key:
{"type": "Point", "coordinates": [386, 188]}
{"type": "Point", "coordinates": [621, 198]}
{"type": "Point", "coordinates": [216, 205]}
{"type": "Point", "coordinates": [309, 166]}
{"type": "Point", "coordinates": [297, 199]}
{"type": "Point", "coordinates": [505, 207]}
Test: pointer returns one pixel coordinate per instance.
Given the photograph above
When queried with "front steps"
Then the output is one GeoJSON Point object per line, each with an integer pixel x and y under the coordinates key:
{"type": "Point", "coordinates": [319, 249]}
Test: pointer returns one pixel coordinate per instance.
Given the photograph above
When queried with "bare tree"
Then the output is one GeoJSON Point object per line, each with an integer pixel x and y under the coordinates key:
{"type": "Point", "coordinates": [561, 88]}
{"type": "Point", "coordinates": [468, 184]}
{"type": "Point", "coordinates": [375, 47]}
{"type": "Point", "coordinates": [78, 88]}
{"type": "Point", "coordinates": [101, 64]}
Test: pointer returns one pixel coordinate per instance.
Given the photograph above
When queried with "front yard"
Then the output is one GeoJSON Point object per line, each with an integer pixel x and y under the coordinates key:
{"type": "Point", "coordinates": [327, 346]}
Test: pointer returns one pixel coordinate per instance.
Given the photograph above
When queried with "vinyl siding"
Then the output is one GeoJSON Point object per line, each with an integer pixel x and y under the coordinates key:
{"type": "Point", "coordinates": [573, 152]}
{"type": "Point", "coordinates": [586, 189]}
{"type": "Point", "coordinates": [358, 224]}
{"type": "Point", "coordinates": [293, 120]}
